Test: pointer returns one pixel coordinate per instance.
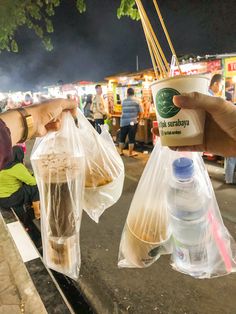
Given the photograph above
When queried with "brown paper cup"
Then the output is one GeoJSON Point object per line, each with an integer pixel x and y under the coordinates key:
{"type": "Point", "coordinates": [139, 252]}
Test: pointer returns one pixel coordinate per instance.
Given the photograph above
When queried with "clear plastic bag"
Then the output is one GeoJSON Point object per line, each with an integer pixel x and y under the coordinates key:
{"type": "Point", "coordinates": [202, 245]}
{"type": "Point", "coordinates": [174, 210]}
{"type": "Point", "coordinates": [58, 164]}
{"type": "Point", "coordinates": [146, 233]}
{"type": "Point", "coordinates": [104, 169]}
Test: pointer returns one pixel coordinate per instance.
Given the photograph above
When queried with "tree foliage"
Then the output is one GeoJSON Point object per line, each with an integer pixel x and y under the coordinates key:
{"type": "Point", "coordinates": [36, 15]}
{"type": "Point", "coordinates": [127, 8]}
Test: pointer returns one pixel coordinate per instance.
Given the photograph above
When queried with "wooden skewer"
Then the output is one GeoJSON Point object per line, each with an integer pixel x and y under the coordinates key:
{"type": "Point", "coordinates": [152, 57]}
{"type": "Point", "coordinates": [149, 43]}
{"type": "Point", "coordinates": [149, 26]}
{"type": "Point", "coordinates": [149, 47]}
{"type": "Point", "coordinates": [155, 51]}
{"type": "Point", "coordinates": [157, 56]}
{"type": "Point", "coordinates": [149, 33]}
{"type": "Point", "coordinates": [166, 33]}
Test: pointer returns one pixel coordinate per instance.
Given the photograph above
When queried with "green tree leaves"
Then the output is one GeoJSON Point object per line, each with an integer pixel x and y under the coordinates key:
{"type": "Point", "coordinates": [81, 6]}
{"type": "Point", "coordinates": [36, 15]}
{"type": "Point", "coordinates": [127, 8]}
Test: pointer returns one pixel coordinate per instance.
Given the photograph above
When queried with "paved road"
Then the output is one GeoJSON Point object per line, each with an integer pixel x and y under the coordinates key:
{"type": "Point", "coordinates": [157, 289]}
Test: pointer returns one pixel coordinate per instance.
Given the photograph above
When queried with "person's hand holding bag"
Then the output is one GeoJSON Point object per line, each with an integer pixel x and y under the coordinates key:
{"type": "Point", "coordinates": [46, 116]}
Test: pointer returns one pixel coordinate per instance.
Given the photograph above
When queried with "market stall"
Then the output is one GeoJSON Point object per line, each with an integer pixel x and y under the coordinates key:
{"type": "Point", "coordinates": [117, 89]}
{"type": "Point", "coordinates": [224, 64]}
{"type": "Point", "coordinates": [230, 77]}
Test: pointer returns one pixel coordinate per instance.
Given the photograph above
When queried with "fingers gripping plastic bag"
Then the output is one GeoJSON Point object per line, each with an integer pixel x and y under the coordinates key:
{"type": "Point", "coordinates": [58, 164]}
{"type": "Point", "coordinates": [202, 246]}
{"type": "Point", "coordinates": [104, 169]}
{"type": "Point", "coordinates": [187, 220]}
{"type": "Point", "coordinates": [147, 232]}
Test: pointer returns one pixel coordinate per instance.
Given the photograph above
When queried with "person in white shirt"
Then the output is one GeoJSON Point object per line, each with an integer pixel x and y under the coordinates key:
{"type": "Point", "coordinates": [98, 108]}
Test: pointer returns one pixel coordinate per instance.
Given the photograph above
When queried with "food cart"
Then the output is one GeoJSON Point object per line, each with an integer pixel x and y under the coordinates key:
{"type": "Point", "coordinates": [224, 64]}
{"type": "Point", "coordinates": [117, 90]}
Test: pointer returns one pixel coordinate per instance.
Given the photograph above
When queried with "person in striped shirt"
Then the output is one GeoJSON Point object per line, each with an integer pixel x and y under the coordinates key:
{"type": "Point", "coordinates": [131, 112]}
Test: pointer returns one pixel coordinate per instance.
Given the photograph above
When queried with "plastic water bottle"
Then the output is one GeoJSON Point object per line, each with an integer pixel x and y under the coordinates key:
{"type": "Point", "coordinates": [188, 206]}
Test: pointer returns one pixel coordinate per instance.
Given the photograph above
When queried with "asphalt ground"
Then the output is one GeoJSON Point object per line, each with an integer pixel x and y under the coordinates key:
{"type": "Point", "coordinates": [157, 289]}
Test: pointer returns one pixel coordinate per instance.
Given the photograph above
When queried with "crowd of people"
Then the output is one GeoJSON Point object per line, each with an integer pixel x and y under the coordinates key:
{"type": "Point", "coordinates": [18, 186]}
{"type": "Point", "coordinates": [95, 112]}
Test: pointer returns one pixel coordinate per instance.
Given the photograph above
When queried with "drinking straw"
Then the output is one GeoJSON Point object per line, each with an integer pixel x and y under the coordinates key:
{"type": "Point", "coordinates": [166, 33]}
{"type": "Point", "coordinates": [219, 241]}
{"type": "Point", "coordinates": [172, 65]}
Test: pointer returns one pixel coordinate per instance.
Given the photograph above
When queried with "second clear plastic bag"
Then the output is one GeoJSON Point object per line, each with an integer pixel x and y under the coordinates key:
{"type": "Point", "coordinates": [147, 233]}
{"type": "Point", "coordinates": [58, 164]}
{"type": "Point", "coordinates": [174, 210]}
{"type": "Point", "coordinates": [104, 169]}
{"type": "Point", "coordinates": [202, 245]}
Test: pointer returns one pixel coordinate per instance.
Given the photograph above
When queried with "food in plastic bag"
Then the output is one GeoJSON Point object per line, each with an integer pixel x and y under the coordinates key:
{"type": "Point", "coordinates": [104, 169]}
{"type": "Point", "coordinates": [58, 164]}
{"type": "Point", "coordinates": [174, 210]}
{"type": "Point", "coordinates": [202, 246]}
{"type": "Point", "coordinates": [146, 232]}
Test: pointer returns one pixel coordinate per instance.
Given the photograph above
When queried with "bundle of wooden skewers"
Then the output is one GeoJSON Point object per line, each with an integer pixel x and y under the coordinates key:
{"type": "Point", "coordinates": [159, 61]}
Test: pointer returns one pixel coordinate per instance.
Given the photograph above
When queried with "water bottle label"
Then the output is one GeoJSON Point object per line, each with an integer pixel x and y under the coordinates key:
{"type": "Point", "coordinates": [191, 255]}
{"type": "Point", "coordinates": [182, 254]}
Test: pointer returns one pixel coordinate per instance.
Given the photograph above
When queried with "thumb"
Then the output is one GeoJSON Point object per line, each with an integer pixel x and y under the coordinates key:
{"type": "Point", "coordinates": [222, 112]}
{"type": "Point", "coordinates": [199, 101]}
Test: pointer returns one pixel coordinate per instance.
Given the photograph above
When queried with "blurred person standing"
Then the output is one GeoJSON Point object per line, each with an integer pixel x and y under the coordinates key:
{"type": "Point", "coordinates": [228, 94]}
{"type": "Point", "coordinates": [88, 113]}
{"type": "Point", "coordinates": [131, 112]}
{"type": "Point", "coordinates": [98, 108]}
{"type": "Point", "coordinates": [216, 85]}
{"type": "Point", "coordinates": [28, 101]}
{"type": "Point", "coordinates": [230, 162]}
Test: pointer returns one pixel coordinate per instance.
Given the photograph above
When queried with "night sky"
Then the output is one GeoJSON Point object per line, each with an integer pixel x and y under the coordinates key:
{"type": "Point", "coordinates": [97, 44]}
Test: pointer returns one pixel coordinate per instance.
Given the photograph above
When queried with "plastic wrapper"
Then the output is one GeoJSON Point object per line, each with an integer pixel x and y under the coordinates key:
{"type": "Point", "coordinates": [202, 245]}
{"type": "Point", "coordinates": [174, 210]}
{"type": "Point", "coordinates": [147, 233]}
{"type": "Point", "coordinates": [58, 164]}
{"type": "Point", "coordinates": [104, 169]}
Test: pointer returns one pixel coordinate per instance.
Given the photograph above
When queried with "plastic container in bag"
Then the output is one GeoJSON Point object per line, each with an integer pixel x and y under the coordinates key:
{"type": "Point", "coordinates": [146, 233]}
{"type": "Point", "coordinates": [202, 246]}
{"type": "Point", "coordinates": [58, 164]}
{"type": "Point", "coordinates": [188, 201]}
{"type": "Point", "coordinates": [104, 169]}
{"type": "Point", "coordinates": [174, 211]}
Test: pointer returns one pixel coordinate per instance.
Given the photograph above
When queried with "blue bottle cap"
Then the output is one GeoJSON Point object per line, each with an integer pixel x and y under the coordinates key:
{"type": "Point", "coordinates": [183, 168]}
